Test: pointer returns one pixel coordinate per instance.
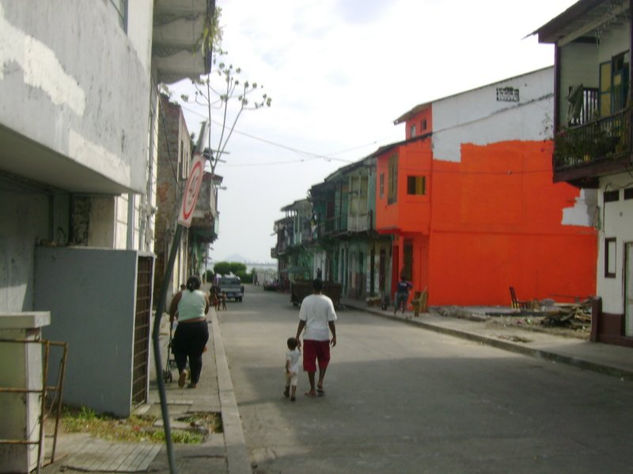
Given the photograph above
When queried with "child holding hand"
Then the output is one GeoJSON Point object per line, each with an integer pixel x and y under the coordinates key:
{"type": "Point", "coordinates": [293, 359]}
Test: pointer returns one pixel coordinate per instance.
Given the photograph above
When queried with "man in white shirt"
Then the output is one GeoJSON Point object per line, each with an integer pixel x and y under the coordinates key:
{"type": "Point", "coordinates": [317, 317]}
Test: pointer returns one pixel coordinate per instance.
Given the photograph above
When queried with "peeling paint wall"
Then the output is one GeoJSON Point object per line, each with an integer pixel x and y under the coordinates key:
{"type": "Point", "coordinates": [473, 116]}
{"type": "Point", "coordinates": [492, 217]}
{"type": "Point", "coordinates": [81, 86]}
{"type": "Point", "coordinates": [28, 215]}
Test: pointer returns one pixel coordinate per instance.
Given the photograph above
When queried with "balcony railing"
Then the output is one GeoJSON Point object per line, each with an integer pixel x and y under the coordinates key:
{"type": "Point", "coordinates": [584, 106]}
{"type": "Point", "coordinates": [348, 223]}
{"type": "Point", "coordinates": [360, 222]}
{"type": "Point", "coordinates": [597, 141]}
{"type": "Point", "coordinates": [331, 225]}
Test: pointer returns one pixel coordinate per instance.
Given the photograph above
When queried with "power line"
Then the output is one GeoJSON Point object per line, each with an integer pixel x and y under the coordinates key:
{"type": "Point", "coordinates": [281, 145]}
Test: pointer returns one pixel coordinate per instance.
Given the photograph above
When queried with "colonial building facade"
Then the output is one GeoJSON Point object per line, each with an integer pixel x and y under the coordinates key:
{"type": "Point", "coordinates": [592, 146]}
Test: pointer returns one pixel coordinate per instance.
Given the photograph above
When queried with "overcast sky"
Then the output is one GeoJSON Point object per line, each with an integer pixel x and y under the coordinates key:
{"type": "Point", "coordinates": [339, 73]}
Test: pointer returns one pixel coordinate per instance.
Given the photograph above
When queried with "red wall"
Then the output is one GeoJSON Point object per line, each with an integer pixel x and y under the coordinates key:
{"type": "Point", "coordinates": [486, 223]}
{"type": "Point", "coordinates": [410, 213]}
{"type": "Point", "coordinates": [496, 222]}
{"type": "Point", "coordinates": [418, 120]}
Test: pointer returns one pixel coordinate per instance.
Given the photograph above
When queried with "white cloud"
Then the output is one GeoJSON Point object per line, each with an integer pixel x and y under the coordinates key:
{"type": "Point", "coordinates": [339, 72]}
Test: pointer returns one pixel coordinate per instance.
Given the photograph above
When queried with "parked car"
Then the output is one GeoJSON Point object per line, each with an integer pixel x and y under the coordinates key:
{"type": "Point", "coordinates": [232, 287]}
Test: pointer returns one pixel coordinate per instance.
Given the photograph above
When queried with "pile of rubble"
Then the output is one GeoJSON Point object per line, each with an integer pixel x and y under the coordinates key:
{"type": "Point", "coordinates": [573, 316]}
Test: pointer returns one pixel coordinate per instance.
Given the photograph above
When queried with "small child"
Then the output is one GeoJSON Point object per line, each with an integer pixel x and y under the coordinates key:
{"type": "Point", "coordinates": [293, 359]}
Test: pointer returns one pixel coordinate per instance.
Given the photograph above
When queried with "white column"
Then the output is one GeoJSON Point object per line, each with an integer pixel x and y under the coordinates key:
{"type": "Point", "coordinates": [21, 368]}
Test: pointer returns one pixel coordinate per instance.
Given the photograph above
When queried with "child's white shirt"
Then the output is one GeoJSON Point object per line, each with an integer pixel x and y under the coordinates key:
{"type": "Point", "coordinates": [293, 358]}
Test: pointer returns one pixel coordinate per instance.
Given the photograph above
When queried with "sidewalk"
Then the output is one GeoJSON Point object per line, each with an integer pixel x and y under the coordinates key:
{"type": "Point", "coordinates": [604, 358]}
{"type": "Point", "coordinates": [221, 453]}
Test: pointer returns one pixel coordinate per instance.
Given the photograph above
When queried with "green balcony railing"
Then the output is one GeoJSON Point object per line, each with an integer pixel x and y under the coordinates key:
{"type": "Point", "coordinates": [603, 139]}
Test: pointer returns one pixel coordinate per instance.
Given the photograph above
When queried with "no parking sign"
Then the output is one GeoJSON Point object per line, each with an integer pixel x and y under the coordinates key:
{"type": "Point", "coordinates": [190, 195]}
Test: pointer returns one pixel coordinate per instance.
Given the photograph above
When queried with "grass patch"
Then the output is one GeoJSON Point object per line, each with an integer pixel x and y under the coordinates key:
{"type": "Point", "coordinates": [137, 428]}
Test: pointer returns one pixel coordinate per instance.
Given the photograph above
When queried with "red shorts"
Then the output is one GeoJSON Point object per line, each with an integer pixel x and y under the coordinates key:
{"type": "Point", "coordinates": [313, 351]}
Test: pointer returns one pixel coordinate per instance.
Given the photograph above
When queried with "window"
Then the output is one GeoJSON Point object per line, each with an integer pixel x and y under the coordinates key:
{"type": "Point", "coordinates": [412, 131]}
{"type": "Point", "coordinates": [382, 185]}
{"type": "Point", "coordinates": [614, 84]}
{"type": "Point", "coordinates": [628, 193]}
{"type": "Point", "coordinates": [392, 191]}
{"type": "Point", "coordinates": [609, 257]}
{"type": "Point", "coordinates": [610, 196]}
{"type": "Point", "coordinates": [424, 124]}
{"type": "Point", "coordinates": [416, 185]}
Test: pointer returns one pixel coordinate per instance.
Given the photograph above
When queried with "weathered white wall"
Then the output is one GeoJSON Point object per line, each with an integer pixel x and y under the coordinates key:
{"type": "Point", "coordinates": [101, 228]}
{"type": "Point", "coordinates": [614, 41]}
{"type": "Point", "coordinates": [121, 222]}
{"type": "Point", "coordinates": [616, 220]}
{"type": "Point", "coordinates": [477, 117]}
{"type": "Point", "coordinates": [139, 30]}
{"type": "Point", "coordinates": [584, 211]}
{"type": "Point", "coordinates": [81, 86]}
{"type": "Point", "coordinates": [24, 219]}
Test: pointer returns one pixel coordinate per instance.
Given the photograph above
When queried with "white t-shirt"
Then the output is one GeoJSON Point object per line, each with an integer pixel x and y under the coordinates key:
{"type": "Point", "coordinates": [293, 357]}
{"type": "Point", "coordinates": [191, 305]}
{"type": "Point", "coordinates": [317, 311]}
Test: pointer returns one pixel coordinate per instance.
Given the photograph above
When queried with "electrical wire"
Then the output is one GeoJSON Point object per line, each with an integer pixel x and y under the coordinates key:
{"type": "Point", "coordinates": [279, 145]}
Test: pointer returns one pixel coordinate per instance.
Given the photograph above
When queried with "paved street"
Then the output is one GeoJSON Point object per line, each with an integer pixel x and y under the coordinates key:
{"type": "Point", "coordinates": [403, 399]}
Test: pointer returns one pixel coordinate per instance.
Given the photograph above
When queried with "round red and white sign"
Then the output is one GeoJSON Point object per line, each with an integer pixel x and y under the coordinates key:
{"type": "Point", "coordinates": [192, 189]}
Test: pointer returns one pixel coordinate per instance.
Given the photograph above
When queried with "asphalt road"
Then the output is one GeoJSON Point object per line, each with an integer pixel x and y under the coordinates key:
{"type": "Point", "coordinates": [404, 400]}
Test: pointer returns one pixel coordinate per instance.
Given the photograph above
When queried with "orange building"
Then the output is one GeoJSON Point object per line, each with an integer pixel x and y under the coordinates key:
{"type": "Point", "coordinates": [469, 199]}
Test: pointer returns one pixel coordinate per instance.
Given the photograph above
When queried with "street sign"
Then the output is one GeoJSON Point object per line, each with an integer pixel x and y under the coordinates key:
{"type": "Point", "coordinates": [190, 195]}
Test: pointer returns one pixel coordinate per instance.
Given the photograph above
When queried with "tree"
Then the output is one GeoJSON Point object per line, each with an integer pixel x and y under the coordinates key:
{"type": "Point", "coordinates": [225, 91]}
{"type": "Point", "coordinates": [224, 268]}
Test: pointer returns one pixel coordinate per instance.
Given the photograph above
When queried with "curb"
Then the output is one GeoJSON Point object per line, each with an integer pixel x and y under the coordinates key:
{"type": "Point", "coordinates": [237, 458]}
{"type": "Point", "coordinates": [508, 346]}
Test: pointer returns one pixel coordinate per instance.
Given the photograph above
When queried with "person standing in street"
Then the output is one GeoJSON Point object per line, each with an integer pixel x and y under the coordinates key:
{"type": "Point", "coordinates": [317, 317]}
{"type": "Point", "coordinates": [190, 307]}
{"type": "Point", "coordinates": [402, 294]}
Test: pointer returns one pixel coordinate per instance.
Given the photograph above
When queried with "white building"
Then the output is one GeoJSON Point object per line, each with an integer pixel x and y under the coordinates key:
{"type": "Point", "coordinates": [79, 120]}
{"type": "Point", "coordinates": [592, 115]}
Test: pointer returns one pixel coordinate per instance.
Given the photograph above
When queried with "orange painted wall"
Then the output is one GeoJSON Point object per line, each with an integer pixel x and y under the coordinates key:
{"type": "Point", "coordinates": [418, 120]}
{"type": "Point", "coordinates": [410, 213]}
{"type": "Point", "coordinates": [496, 222]}
{"type": "Point", "coordinates": [421, 262]}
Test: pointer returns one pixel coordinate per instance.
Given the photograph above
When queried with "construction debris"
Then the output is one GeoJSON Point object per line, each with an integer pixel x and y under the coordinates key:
{"type": "Point", "coordinates": [573, 316]}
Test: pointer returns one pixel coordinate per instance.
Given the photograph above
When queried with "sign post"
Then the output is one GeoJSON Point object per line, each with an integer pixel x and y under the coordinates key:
{"type": "Point", "coordinates": [192, 189]}
{"type": "Point", "coordinates": [189, 200]}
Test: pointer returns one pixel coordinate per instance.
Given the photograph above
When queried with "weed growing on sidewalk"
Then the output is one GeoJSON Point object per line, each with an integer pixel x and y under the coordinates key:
{"type": "Point", "coordinates": [137, 428]}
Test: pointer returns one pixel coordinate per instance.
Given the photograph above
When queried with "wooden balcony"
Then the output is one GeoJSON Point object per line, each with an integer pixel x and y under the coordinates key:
{"type": "Point", "coordinates": [360, 222]}
{"type": "Point", "coordinates": [585, 152]}
{"type": "Point", "coordinates": [347, 224]}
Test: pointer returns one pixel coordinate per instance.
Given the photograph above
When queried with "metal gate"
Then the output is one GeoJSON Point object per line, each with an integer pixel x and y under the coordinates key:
{"type": "Point", "coordinates": [142, 319]}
